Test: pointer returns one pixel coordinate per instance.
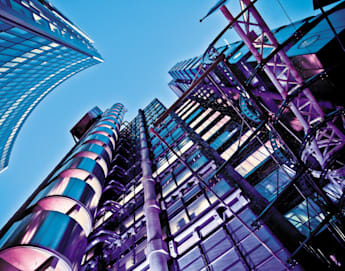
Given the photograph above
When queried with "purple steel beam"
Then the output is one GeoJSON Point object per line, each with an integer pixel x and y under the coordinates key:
{"type": "Point", "coordinates": [156, 251]}
{"type": "Point", "coordinates": [286, 79]}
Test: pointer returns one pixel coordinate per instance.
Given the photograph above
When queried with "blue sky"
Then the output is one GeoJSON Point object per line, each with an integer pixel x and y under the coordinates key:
{"type": "Point", "coordinates": [139, 41]}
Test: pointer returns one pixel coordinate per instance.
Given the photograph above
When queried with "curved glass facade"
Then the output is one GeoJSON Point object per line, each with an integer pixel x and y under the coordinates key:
{"type": "Point", "coordinates": [39, 49]}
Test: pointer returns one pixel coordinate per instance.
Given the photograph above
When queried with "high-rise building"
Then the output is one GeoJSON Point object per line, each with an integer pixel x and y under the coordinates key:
{"type": "Point", "coordinates": [39, 49]}
{"type": "Point", "coordinates": [230, 177]}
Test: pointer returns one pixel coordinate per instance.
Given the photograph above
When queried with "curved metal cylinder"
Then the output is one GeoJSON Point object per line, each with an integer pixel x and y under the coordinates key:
{"type": "Point", "coordinates": [59, 218]}
{"type": "Point", "coordinates": [50, 231]}
{"type": "Point", "coordinates": [95, 148]}
{"type": "Point", "coordinates": [74, 188]}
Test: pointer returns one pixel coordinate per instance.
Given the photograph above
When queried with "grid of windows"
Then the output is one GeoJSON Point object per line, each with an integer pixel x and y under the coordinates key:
{"type": "Point", "coordinates": [31, 66]}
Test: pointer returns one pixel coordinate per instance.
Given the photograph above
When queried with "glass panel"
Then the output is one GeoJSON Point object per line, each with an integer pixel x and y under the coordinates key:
{"type": "Point", "coordinates": [220, 140]}
{"type": "Point", "coordinates": [193, 115]}
{"type": "Point", "coordinates": [221, 188]}
{"type": "Point", "coordinates": [216, 245]}
{"type": "Point", "coordinates": [216, 127]}
{"type": "Point", "coordinates": [254, 160]}
{"type": "Point", "coordinates": [300, 219]}
{"type": "Point", "coordinates": [192, 260]}
{"type": "Point", "coordinates": [203, 115]}
{"type": "Point", "coordinates": [192, 192]}
{"type": "Point", "coordinates": [173, 208]}
{"type": "Point", "coordinates": [268, 186]}
{"type": "Point", "coordinates": [178, 221]}
{"type": "Point", "coordinates": [198, 206]}
{"type": "Point", "coordinates": [186, 173]}
{"type": "Point", "coordinates": [168, 188]}
{"type": "Point", "coordinates": [207, 122]}
{"type": "Point", "coordinates": [198, 163]}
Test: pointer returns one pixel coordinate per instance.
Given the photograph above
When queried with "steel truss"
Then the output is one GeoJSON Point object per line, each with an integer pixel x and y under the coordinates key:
{"type": "Point", "coordinates": [286, 79]}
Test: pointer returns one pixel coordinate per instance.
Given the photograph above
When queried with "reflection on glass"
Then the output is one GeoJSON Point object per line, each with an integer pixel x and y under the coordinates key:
{"type": "Point", "coordinates": [220, 188]}
{"type": "Point", "coordinates": [268, 186]}
{"type": "Point", "coordinates": [178, 221]}
{"type": "Point", "coordinates": [192, 260]}
{"type": "Point", "coordinates": [305, 217]}
{"type": "Point", "coordinates": [177, 204]}
{"type": "Point", "coordinates": [197, 207]}
{"type": "Point", "coordinates": [168, 188]}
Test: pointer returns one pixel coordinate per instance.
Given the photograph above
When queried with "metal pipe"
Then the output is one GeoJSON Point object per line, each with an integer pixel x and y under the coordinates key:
{"type": "Point", "coordinates": [107, 208]}
{"type": "Point", "coordinates": [206, 185]}
{"type": "Point", "coordinates": [156, 251]}
{"type": "Point", "coordinates": [100, 239]}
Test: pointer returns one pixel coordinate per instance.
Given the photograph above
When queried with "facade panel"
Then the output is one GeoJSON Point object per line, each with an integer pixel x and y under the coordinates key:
{"type": "Point", "coordinates": [39, 49]}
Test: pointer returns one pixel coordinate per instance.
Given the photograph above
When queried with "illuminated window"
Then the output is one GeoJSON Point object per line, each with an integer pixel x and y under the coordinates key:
{"type": "Point", "coordinates": [221, 139]}
{"type": "Point", "coordinates": [255, 159]}
{"type": "Point", "coordinates": [231, 150]}
{"type": "Point", "coordinates": [216, 127]}
{"type": "Point", "coordinates": [203, 115]}
{"type": "Point", "coordinates": [187, 113]}
{"type": "Point", "coordinates": [207, 122]}
{"type": "Point", "coordinates": [186, 107]}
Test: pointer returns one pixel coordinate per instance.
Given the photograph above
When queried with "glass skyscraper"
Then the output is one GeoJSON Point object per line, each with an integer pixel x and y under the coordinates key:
{"type": "Point", "coordinates": [226, 178]}
{"type": "Point", "coordinates": [39, 49]}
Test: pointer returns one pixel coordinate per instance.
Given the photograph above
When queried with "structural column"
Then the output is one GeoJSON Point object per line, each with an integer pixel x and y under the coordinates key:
{"type": "Point", "coordinates": [156, 252]}
{"type": "Point", "coordinates": [50, 230]}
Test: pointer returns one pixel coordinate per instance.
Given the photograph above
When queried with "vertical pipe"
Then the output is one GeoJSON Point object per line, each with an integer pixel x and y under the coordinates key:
{"type": "Point", "coordinates": [156, 252]}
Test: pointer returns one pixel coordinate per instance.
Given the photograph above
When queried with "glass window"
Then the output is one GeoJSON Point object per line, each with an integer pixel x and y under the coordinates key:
{"type": "Point", "coordinates": [185, 115]}
{"type": "Point", "coordinates": [268, 186]}
{"type": "Point", "coordinates": [192, 260]}
{"type": "Point", "coordinates": [185, 107]}
{"type": "Point", "coordinates": [191, 117]}
{"type": "Point", "coordinates": [254, 160]}
{"type": "Point", "coordinates": [173, 208]}
{"type": "Point", "coordinates": [181, 177]}
{"type": "Point", "coordinates": [177, 133]}
{"type": "Point", "coordinates": [220, 188]}
{"type": "Point", "coordinates": [220, 140]}
{"type": "Point", "coordinates": [20, 32]}
{"type": "Point", "coordinates": [198, 163]}
{"type": "Point", "coordinates": [8, 36]}
{"type": "Point", "coordinates": [171, 125]}
{"type": "Point", "coordinates": [178, 222]}
{"type": "Point", "coordinates": [197, 207]}
{"type": "Point", "coordinates": [300, 218]}
{"type": "Point", "coordinates": [128, 221]}
{"type": "Point", "coordinates": [207, 122]}
{"type": "Point", "coordinates": [231, 150]}
{"type": "Point", "coordinates": [216, 245]}
{"type": "Point", "coordinates": [170, 186]}
{"type": "Point", "coordinates": [216, 127]}
{"type": "Point", "coordinates": [203, 115]}
{"type": "Point", "coordinates": [191, 193]}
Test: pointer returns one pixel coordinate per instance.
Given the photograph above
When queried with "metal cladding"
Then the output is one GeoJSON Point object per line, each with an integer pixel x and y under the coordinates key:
{"type": "Point", "coordinates": [51, 229]}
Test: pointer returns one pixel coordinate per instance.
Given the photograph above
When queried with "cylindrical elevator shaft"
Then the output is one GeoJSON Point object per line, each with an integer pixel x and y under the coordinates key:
{"type": "Point", "coordinates": [156, 253]}
{"type": "Point", "coordinates": [51, 228]}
